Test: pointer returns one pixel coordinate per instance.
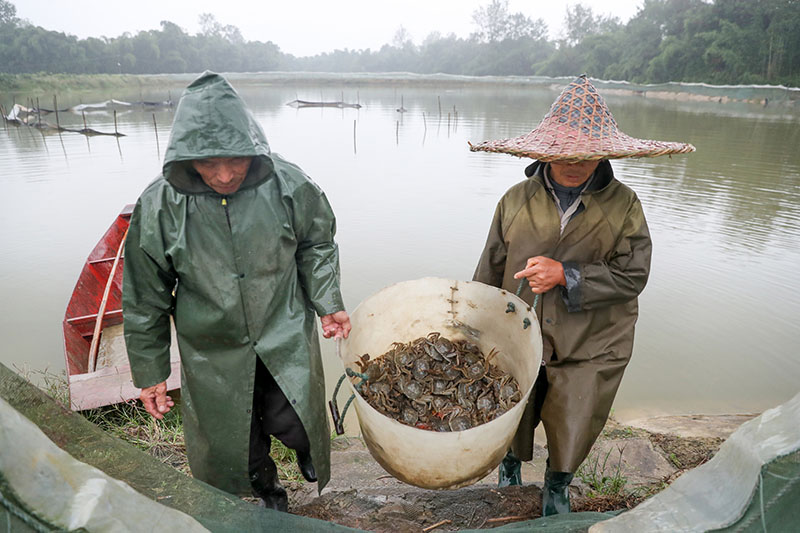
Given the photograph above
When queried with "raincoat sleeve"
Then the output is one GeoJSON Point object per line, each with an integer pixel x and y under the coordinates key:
{"type": "Point", "coordinates": [147, 301]}
{"type": "Point", "coordinates": [317, 254]}
{"type": "Point", "coordinates": [492, 263]}
{"type": "Point", "coordinates": [617, 279]}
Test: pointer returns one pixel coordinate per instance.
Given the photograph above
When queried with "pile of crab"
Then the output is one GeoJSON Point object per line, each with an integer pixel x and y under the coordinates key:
{"type": "Point", "coordinates": [436, 384]}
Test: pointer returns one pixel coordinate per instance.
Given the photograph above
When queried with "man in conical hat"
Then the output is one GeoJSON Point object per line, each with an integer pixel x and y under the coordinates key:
{"type": "Point", "coordinates": [580, 240]}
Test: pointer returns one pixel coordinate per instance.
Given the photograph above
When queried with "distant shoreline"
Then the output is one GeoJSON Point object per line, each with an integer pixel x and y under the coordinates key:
{"type": "Point", "coordinates": [44, 84]}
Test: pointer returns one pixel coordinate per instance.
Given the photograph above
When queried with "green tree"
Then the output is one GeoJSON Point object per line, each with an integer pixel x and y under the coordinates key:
{"type": "Point", "coordinates": [8, 13]}
{"type": "Point", "coordinates": [581, 22]}
{"type": "Point", "coordinates": [492, 21]}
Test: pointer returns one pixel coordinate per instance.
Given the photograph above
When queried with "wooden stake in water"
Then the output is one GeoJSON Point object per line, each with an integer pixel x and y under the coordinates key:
{"type": "Point", "coordinates": [83, 114]}
{"type": "Point", "coordinates": [397, 132]}
{"type": "Point", "coordinates": [440, 106]}
{"type": "Point", "coordinates": [354, 136]}
{"type": "Point", "coordinates": [155, 128]}
{"type": "Point", "coordinates": [38, 111]}
{"type": "Point", "coordinates": [424, 122]}
{"type": "Point", "coordinates": [115, 123]}
{"type": "Point", "coordinates": [55, 108]}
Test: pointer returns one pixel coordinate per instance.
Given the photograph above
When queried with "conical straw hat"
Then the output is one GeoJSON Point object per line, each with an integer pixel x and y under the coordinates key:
{"type": "Point", "coordinates": [579, 127]}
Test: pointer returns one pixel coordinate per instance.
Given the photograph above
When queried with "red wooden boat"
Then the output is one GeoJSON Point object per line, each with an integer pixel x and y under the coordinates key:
{"type": "Point", "coordinates": [98, 372]}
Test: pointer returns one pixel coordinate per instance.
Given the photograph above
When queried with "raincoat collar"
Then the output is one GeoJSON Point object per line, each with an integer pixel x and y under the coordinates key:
{"type": "Point", "coordinates": [212, 120]}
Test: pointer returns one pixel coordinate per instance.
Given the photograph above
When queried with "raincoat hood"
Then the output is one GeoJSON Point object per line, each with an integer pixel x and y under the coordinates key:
{"type": "Point", "coordinates": [212, 120]}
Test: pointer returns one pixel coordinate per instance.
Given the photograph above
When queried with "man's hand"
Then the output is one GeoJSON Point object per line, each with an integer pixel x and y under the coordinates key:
{"type": "Point", "coordinates": [543, 274]}
{"type": "Point", "coordinates": [156, 401]}
{"type": "Point", "coordinates": [336, 325]}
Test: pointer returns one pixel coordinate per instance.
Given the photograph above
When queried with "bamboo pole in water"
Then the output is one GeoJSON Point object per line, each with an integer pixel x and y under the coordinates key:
{"type": "Point", "coordinates": [155, 128]}
{"type": "Point", "coordinates": [55, 108]}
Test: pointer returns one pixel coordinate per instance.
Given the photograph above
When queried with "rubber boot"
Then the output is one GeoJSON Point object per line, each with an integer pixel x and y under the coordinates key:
{"type": "Point", "coordinates": [510, 473]}
{"type": "Point", "coordinates": [306, 466]}
{"type": "Point", "coordinates": [555, 493]}
{"type": "Point", "coordinates": [266, 486]}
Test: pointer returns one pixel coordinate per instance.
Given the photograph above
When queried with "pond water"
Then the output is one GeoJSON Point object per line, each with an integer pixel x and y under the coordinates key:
{"type": "Point", "coordinates": [718, 329]}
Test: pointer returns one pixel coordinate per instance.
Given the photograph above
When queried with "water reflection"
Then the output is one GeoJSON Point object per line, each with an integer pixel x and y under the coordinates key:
{"type": "Point", "coordinates": [717, 331]}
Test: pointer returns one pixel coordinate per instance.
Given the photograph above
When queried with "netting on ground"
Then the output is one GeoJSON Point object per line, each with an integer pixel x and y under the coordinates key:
{"type": "Point", "coordinates": [752, 484]}
{"type": "Point", "coordinates": [40, 477]}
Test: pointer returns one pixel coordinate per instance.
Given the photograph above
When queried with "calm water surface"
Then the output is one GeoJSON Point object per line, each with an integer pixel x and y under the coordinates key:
{"type": "Point", "coordinates": [718, 329]}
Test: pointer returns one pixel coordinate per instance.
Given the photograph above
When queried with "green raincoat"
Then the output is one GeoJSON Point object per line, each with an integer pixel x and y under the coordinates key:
{"type": "Point", "coordinates": [587, 326]}
{"type": "Point", "coordinates": [249, 272]}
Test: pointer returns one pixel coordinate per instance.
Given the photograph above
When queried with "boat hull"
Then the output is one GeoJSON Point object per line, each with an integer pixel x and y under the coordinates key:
{"type": "Point", "coordinates": [110, 381]}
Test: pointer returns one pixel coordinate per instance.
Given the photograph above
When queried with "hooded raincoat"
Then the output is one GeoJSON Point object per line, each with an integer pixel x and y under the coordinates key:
{"type": "Point", "coordinates": [242, 275]}
{"type": "Point", "coordinates": [587, 326]}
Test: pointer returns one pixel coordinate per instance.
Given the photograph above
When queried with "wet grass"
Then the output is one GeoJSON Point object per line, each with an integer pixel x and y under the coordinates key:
{"type": "Point", "coordinates": [602, 478]}
{"type": "Point", "coordinates": [163, 439]}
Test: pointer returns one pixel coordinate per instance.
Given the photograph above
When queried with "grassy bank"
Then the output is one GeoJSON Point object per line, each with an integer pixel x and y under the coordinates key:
{"type": "Point", "coordinates": [44, 83]}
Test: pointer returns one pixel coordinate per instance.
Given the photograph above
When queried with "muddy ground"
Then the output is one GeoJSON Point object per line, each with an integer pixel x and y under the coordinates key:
{"type": "Point", "coordinates": [644, 461]}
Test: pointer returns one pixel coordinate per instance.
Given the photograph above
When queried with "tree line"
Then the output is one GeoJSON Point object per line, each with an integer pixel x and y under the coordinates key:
{"type": "Point", "coordinates": [719, 41]}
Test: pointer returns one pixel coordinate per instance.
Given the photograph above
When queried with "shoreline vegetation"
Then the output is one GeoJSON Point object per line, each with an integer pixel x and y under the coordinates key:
{"type": "Point", "coordinates": [724, 42]}
{"type": "Point", "coordinates": [18, 87]}
{"type": "Point", "coordinates": [45, 83]}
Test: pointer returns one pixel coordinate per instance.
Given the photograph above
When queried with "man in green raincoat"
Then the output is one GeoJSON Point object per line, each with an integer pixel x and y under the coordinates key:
{"type": "Point", "coordinates": [236, 245]}
{"type": "Point", "coordinates": [580, 240]}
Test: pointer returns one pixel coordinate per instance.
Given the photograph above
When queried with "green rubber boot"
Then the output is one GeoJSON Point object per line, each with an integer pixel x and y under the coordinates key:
{"type": "Point", "coordinates": [555, 493]}
{"type": "Point", "coordinates": [510, 473]}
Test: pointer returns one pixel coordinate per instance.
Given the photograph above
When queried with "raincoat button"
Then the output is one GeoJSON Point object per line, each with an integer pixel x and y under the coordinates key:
{"type": "Point", "coordinates": [248, 411]}
{"type": "Point", "coordinates": [241, 276]}
{"type": "Point", "coordinates": [294, 402]}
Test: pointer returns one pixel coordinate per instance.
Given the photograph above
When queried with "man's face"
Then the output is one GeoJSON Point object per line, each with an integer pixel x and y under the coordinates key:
{"type": "Point", "coordinates": [572, 174]}
{"type": "Point", "coordinates": [223, 174]}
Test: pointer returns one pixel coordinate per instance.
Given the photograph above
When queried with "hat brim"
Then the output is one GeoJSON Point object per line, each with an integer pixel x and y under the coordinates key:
{"type": "Point", "coordinates": [565, 146]}
{"type": "Point", "coordinates": [579, 127]}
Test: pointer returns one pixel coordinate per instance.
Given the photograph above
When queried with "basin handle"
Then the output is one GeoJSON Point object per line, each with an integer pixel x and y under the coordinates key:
{"type": "Point", "coordinates": [338, 418]}
{"type": "Point", "coordinates": [511, 309]}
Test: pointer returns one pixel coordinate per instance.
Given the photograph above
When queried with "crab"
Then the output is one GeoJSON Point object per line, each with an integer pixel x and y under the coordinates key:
{"type": "Point", "coordinates": [436, 384]}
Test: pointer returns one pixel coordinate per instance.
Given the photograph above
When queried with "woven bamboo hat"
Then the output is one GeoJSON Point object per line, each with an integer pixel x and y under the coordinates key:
{"type": "Point", "coordinates": [579, 127]}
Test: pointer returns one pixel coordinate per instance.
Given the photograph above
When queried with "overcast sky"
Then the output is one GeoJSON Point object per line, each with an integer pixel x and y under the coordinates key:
{"type": "Point", "coordinates": [298, 27]}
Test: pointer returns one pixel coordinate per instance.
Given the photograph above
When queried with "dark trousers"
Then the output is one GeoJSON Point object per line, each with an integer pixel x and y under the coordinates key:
{"type": "Point", "coordinates": [531, 417]}
{"type": "Point", "coordinates": [272, 415]}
